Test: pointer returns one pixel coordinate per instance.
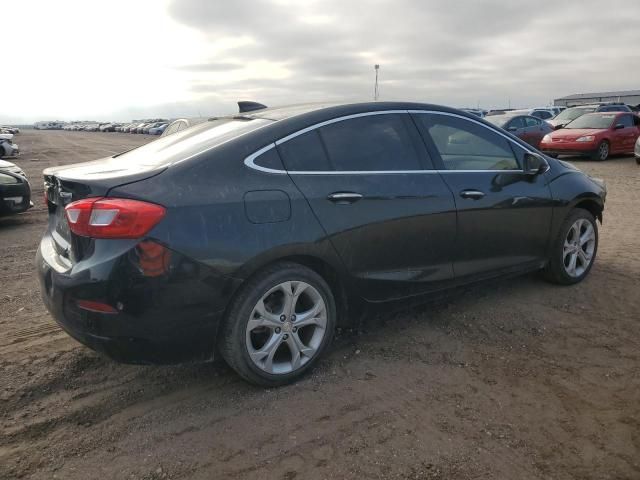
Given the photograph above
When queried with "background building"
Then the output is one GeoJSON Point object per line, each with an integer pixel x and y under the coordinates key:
{"type": "Point", "coordinates": [630, 97]}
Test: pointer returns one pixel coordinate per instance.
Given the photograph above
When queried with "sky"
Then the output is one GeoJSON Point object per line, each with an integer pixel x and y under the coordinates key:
{"type": "Point", "coordinates": [125, 59]}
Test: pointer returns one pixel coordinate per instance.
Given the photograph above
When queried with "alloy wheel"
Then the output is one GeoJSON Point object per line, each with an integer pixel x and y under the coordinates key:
{"type": "Point", "coordinates": [579, 246]}
{"type": "Point", "coordinates": [286, 327]}
{"type": "Point", "coordinates": [603, 151]}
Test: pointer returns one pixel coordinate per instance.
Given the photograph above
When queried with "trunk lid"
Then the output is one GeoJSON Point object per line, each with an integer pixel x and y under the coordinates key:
{"type": "Point", "coordinates": [66, 184]}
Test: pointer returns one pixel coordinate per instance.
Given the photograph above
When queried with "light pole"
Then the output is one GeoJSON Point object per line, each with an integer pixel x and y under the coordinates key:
{"type": "Point", "coordinates": [376, 93]}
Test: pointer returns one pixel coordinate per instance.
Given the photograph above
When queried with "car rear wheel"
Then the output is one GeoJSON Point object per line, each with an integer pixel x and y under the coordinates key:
{"type": "Point", "coordinates": [574, 249]}
{"type": "Point", "coordinates": [279, 325]}
{"type": "Point", "coordinates": [602, 152]}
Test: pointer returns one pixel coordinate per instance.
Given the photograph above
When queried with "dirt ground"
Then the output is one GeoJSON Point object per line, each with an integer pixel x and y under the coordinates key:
{"type": "Point", "coordinates": [517, 379]}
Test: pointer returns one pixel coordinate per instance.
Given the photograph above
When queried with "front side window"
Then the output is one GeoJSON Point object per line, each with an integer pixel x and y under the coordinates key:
{"type": "Point", "coordinates": [371, 143]}
{"type": "Point", "coordinates": [464, 145]}
{"type": "Point", "coordinates": [625, 120]}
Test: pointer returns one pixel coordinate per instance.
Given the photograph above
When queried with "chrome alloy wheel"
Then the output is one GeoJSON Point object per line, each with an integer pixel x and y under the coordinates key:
{"type": "Point", "coordinates": [286, 327]}
{"type": "Point", "coordinates": [603, 151]}
{"type": "Point", "coordinates": [579, 246]}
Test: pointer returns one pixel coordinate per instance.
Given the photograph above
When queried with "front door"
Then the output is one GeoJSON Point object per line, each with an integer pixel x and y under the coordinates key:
{"type": "Point", "coordinates": [504, 216]}
{"type": "Point", "coordinates": [389, 215]}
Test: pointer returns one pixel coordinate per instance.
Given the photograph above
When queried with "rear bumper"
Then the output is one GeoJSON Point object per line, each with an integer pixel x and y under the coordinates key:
{"type": "Point", "coordinates": [164, 319]}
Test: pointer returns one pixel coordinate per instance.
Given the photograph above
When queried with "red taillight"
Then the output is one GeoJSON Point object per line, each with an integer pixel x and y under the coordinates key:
{"type": "Point", "coordinates": [112, 217]}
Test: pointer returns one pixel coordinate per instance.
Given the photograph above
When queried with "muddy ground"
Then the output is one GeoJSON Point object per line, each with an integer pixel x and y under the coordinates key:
{"type": "Point", "coordinates": [513, 380]}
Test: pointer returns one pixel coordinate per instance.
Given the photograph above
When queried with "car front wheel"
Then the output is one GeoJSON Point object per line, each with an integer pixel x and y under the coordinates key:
{"type": "Point", "coordinates": [602, 152]}
{"type": "Point", "coordinates": [279, 325]}
{"type": "Point", "coordinates": [574, 249]}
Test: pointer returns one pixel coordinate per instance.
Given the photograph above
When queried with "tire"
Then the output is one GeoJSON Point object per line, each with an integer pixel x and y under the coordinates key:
{"type": "Point", "coordinates": [553, 155]}
{"type": "Point", "coordinates": [2, 152]}
{"type": "Point", "coordinates": [565, 253]}
{"type": "Point", "coordinates": [255, 340]}
{"type": "Point", "coordinates": [638, 160]}
{"type": "Point", "coordinates": [602, 152]}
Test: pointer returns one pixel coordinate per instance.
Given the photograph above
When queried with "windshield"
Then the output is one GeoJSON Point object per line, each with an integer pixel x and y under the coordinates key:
{"type": "Point", "coordinates": [189, 142]}
{"type": "Point", "coordinates": [598, 121]}
{"type": "Point", "coordinates": [498, 120]}
{"type": "Point", "coordinates": [573, 113]}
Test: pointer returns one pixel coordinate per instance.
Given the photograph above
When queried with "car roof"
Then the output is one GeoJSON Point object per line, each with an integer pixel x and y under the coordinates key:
{"type": "Point", "coordinates": [333, 109]}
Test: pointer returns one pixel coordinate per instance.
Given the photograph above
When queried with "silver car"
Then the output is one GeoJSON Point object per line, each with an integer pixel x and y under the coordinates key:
{"type": "Point", "coordinates": [636, 151]}
{"type": "Point", "coordinates": [7, 147]}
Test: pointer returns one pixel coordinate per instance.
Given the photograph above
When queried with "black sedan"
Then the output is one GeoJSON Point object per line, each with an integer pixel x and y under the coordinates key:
{"type": "Point", "coordinates": [15, 191]}
{"type": "Point", "coordinates": [253, 236]}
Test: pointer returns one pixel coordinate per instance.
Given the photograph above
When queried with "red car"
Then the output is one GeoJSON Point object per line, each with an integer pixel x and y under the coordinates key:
{"type": "Point", "coordinates": [596, 135]}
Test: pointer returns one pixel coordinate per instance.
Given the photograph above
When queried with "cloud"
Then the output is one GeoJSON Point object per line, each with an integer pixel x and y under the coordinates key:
{"type": "Point", "coordinates": [208, 54]}
{"type": "Point", "coordinates": [452, 52]}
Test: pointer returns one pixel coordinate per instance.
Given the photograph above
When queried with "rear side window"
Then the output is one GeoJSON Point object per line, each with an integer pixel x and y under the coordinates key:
{"type": "Point", "coordinates": [531, 121]}
{"type": "Point", "coordinates": [465, 145]}
{"type": "Point", "coordinates": [371, 143]}
{"type": "Point", "coordinates": [304, 153]}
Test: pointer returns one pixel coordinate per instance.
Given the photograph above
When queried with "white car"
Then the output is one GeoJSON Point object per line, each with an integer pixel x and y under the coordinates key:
{"type": "Point", "coordinates": [636, 151]}
{"type": "Point", "coordinates": [7, 147]}
{"type": "Point", "coordinates": [545, 113]}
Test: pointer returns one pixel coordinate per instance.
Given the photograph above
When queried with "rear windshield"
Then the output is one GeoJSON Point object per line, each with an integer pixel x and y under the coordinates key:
{"type": "Point", "coordinates": [189, 142]}
{"type": "Point", "coordinates": [593, 121]}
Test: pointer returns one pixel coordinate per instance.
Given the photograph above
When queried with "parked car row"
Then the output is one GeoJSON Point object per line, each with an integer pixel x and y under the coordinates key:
{"type": "Point", "coordinates": [154, 127]}
{"type": "Point", "coordinates": [9, 129]}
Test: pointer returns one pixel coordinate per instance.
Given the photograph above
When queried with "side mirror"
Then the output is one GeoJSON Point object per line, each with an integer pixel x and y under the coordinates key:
{"type": "Point", "coordinates": [512, 129]}
{"type": "Point", "coordinates": [618, 126]}
{"type": "Point", "coordinates": [558, 127]}
{"type": "Point", "coordinates": [534, 164]}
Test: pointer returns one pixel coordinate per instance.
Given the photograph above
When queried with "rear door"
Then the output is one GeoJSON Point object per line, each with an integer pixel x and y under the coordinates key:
{"type": "Point", "coordinates": [371, 184]}
{"type": "Point", "coordinates": [535, 130]}
{"type": "Point", "coordinates": [504, 216]}
{"type": "Point", "coordinates": [518, 127]}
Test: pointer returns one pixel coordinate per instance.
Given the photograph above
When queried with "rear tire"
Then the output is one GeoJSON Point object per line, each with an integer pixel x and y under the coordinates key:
{"type": "Point", "coordinates": [602, 152]}
{"type": "Point", "coordinates": [574, 249]}
{"type": "Point", "coordinates": [279, 325]}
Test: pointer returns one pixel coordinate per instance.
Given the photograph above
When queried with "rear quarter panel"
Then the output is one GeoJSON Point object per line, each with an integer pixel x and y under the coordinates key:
{"type": "Point", "coordinates": [207, 216]}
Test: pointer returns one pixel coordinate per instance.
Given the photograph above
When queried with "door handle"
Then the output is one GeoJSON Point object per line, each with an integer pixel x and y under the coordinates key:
{"type": "Point", "coordinates": [344, 197]}
{"type": "Point", "coordinates": [473, 194]}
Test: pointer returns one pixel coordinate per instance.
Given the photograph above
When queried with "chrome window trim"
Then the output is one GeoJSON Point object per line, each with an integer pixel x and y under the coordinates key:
{"type": "Point", "coordinates": [250, 160]}
{"type": "Point", "coordinates": [336, 120]}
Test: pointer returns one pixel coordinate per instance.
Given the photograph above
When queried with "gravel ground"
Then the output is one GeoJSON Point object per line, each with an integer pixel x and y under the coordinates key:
{"type": "Point", "coordinates": [516, 379]}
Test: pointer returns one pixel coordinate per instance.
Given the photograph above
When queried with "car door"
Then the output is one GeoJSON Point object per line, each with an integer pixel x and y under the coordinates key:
{"type": "Point", "coordinates": [389, 215]}
{"type": "Point", "coordinates": [535, 130]}
{"type": "Point", "coordinates": [517, 126]}
{"type": "Point", "coordinates": [504, 215]}
{"type": "Point", "coordinates": [627, 135]}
